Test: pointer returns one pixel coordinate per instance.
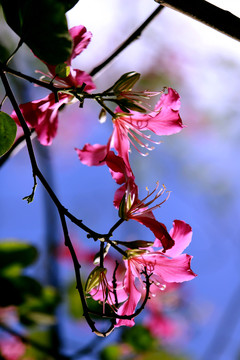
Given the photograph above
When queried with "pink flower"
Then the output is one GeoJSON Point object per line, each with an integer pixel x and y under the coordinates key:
{"type": "Point", "coordinates": [92, 154]}
{"type": "Point", "coordinates": [128, 129]}
{"type": "Point", "coordinates": [102, 289]}
{"type": "Point", "coordinates": [164, 268]}
{"type": "Point", "coordinates": [42, 115]}
{"type": "Point", "coordinates": [164, 120]}
{"type": "Point", "coordinates": [12, 349]}
{"type": "Point", "coordinates": [130, 206]}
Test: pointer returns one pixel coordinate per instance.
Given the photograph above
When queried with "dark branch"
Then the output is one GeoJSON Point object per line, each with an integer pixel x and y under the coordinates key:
{"type": "Point", "coordinates": [209, 14]}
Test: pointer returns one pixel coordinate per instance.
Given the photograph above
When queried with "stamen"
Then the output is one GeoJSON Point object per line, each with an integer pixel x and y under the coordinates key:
{"type": "Point", "coordinates": [142, 206]}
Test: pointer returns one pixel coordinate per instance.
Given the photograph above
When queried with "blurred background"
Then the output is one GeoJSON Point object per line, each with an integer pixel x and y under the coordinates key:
{"type": "Point", "coordinates": [200, 166]}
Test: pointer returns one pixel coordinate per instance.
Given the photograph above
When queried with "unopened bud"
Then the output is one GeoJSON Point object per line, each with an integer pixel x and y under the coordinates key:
{"type": "Point", "coordinates": [128, 104]}
{"type": "Point", "coordinates": [122, 208]}
{"type": "Point", "coordinates": [134, 253]}
{"type": "Point", "coordinates": [94, 278]}
{"type": "Point", "coordinates": [126, 82]}
{"type": "Point", "coordinates": [137, 244]}
{"type": "Point", "coordinates": [102, 116]}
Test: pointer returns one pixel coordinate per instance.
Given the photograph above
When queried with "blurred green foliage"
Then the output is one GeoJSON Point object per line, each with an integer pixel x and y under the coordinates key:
{"type": "Point", "coordinates": [34, 303]}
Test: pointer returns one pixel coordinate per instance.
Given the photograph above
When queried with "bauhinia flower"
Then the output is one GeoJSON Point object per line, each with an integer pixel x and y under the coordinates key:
{"type": "Point", "coordinates": [128, 128]}
{"type": "Point", "coordinates": [130, 206]}
{"type": "Point", "coordinates": [42, 115]}
{"type": "Point", "coordinates": [104, 290]}
{"type": "Point", "coordinates": [163, 269]}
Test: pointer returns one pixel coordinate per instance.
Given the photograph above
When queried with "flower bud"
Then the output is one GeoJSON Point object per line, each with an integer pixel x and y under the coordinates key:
{"type": "Point", "coordinates": [131, 104]}
{"type": "Point", "coordinates": [94, 278]}
{"type": "Point", "coordinates": [102, 116]}
{"type": "Point", "coordinates": [126, 82]}
{"type": "Point", "coordinates": [134, 253]}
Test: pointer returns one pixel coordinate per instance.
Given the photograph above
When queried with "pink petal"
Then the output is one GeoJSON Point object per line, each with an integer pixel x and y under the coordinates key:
{"type": "Point", "coordinates": [158, 229]}
{"type": "Point", "coordinates": [77, 78]}
{"type": "Point", "coordinates": [100, 295]}
{"type": "Point", "coordinates": [81, 38]}
{"type": "Point", "coordinates": [42, 115]}
{"type": "Point", "coordinates": [182, 235]}
{"type": "Point", "coordinates": [128, 308]}
{"type": "Point", "coordinates": [170, 270]}
{"type": "Point", "coordinates": [120, 171]}
{"type": "Point", "coordinates": [120, 142]}
{"type": "Point", "coordinates": [92, 154]}
{"type": "Point", "coordinates": [119, 193]}
{"type": "Point", "coordinates": [165, 119]}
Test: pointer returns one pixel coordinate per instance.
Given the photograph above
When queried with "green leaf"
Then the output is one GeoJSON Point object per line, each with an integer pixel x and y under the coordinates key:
{"type": "Point", "coordinates": [4, 53]}
{"type": "Point", "coordinates": [9, 293]}
{"type": "Point", "coordinates": [15, 253]}
{"type": "Point", "coordinates": [16, 290]}
{"type": "Point", "coordinates": [44, 339]}
{"type": "Point", "coordinates": [74, 303]}
{"type": "Point", "coordinates": [42, 26]}
{"type": "Point", "coordinates": [111, 352]}
{"type": "Point", "coordinates": [8, 130]}
{"type": "Point", "coordinates": [39, 309]}
{"type": "Point", "coordinates": [139, 338]}
{"type": "Point", "coordinates": [161, 355]}
{"type": "Point", "coordinates": [69, 4]}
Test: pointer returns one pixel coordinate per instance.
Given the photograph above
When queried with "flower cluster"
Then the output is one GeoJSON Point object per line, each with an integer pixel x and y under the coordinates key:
{"type": "Point", "coordinates": [42, 115]}
{"type": "Point", "coordinates": [149, 267]}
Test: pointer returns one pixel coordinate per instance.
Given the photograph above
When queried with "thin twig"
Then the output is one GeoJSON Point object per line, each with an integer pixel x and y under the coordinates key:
{"type": "Point", "coordinates": [30, 79]}
{"type": "Point", "coordinates": [127, 42]}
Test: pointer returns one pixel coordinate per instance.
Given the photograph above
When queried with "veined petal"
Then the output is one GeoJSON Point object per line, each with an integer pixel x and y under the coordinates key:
{"type": "Point", "coordinates": [164, 120]}
{"type": "Point", "coordinates": [170, 270]}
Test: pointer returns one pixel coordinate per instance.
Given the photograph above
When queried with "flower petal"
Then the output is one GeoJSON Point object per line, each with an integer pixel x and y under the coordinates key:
{"type": "Point", "coordinates": [42, 115]}
{"type": "Point", "coordinates": [182, 235]}
{"type": "Point", "coordinates": [165, 119]}
{"type": "Point", "coordinates": [81, 38]}
{"type": "Point", "coordinates": [158, 229]}
{"type": "Point", "coordinates": [92, 154]}
{"type": "Point", "coordinates": [170, 270]}
{"type": "Point", "coordinates": [128, 308]}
